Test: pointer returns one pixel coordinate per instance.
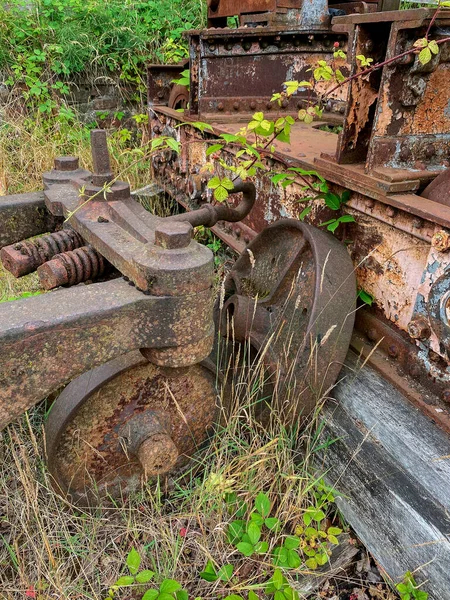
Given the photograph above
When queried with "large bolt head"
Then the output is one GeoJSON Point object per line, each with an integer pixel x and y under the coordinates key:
{"type": "Point", "coordinates": [157, 454]}
{"type": "Point", "coordinates": [173, 234]}
{"type": "Point", "coordinates": [441, 241]}
{"type": "Point", "coordinates": [419, 329]}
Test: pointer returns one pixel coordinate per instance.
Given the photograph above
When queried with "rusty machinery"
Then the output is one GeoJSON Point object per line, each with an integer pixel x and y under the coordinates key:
{"type": "Point", "coordinates": [392, 154]}
{"type": "Point", "coordinates": [135, 344]}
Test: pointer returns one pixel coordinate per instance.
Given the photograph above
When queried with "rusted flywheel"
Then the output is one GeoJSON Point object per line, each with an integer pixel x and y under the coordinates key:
{"type": "Point", "coordinates": [179, 97]}
{"type": "Point", "coordinates": [127, 421]}
{"type": "Point", "coordinates": [291, 296]}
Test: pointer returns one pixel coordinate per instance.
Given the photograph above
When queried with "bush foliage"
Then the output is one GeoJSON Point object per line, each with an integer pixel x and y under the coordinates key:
{"type": "Point", "coordinates": [44, 42]}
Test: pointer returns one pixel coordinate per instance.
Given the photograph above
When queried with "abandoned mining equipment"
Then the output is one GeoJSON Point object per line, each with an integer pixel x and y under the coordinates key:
{"type": "Point", "coordinates": [135, 345]}
{"type": "Point", "coordinates": [391, 419]}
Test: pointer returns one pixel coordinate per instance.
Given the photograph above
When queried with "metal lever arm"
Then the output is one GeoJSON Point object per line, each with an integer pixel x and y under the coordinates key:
{"type": "Point", "coordinates": [48, 340]}
{"type": "Point", "coordinates": [208, 215]}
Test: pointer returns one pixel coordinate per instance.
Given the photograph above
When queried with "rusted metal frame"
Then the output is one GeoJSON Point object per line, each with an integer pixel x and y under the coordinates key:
{"type": "Point", "coordinates": [160, 81]}
{"type": "Point", "coordinates": [50, 339]}
{"type": "Point", "coordinates": [349, 178]}
{"type": "Point", "coordinates": [410, 129]}
{"type": "Point", "coordinates": [368, 40]}
{"type": "Point", "coordinates": [221, 60]}
{"type": "Point", "coordinates": [23, 216]}
{"type": "Point", "coordinates": [392, 354]}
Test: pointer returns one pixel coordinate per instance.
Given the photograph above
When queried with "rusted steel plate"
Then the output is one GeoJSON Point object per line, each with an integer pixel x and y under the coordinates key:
{"type": "Point", "coordinates": [24, 215]}
{"type": "Point", "coordinates": [48, 340]}
{"type": "Point", "coordinates": [267, 56]}
{"type": "Point", "coordinates": [126, 421]}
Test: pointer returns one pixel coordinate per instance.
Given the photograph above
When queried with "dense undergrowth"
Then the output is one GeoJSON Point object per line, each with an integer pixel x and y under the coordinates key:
{"type": "Point", "coordinates": [44, 43]}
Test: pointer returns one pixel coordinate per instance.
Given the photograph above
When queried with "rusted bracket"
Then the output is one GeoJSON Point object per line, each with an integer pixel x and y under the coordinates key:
{"type": "Point", "coordinates": [156, 254]}
{"type": "Point", "coordinates": [48, 340]}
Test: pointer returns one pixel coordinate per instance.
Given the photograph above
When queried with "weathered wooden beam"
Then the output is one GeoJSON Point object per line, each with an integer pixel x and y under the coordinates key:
{"type": "Point", "coordinates": [391, 467]}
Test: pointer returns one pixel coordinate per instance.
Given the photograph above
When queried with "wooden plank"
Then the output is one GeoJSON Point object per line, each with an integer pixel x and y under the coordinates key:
{"type": "Point", "coordinates": [391, 467]}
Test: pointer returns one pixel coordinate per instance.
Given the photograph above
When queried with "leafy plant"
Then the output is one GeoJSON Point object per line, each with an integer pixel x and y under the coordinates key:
{"type": "Point", "coordinates": [169, 589]}
{"type": "Point", "coordinates": [133, 562]}
{"type": "Point", "coordinates": [278, 587]}
{"type": "Point", "coordinates": [246, 535]}
{"type": "Point", "coordinates": [409, 590]}
{"type": "Point", "coordinates": [211, 574]}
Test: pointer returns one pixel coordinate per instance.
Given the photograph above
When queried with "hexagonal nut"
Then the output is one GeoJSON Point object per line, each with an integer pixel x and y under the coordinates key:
{"type": "Point", "coordinates": [66, 163]}
{"type": "Point", "coordinates": [419, 329]}
{"type": "Point", "coordinates": [441, 241]}
{"type": "Point", "coordinates": [171, 235]}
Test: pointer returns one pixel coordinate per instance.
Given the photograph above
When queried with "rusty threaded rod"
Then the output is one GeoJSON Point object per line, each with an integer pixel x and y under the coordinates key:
{"type": "Point", "coordinates": [71, 268]}
{"type": "Point", "coordinates": [26, 256]}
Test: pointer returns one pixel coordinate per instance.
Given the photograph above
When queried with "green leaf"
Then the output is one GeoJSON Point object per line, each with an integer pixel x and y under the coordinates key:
{"type": "Point", "coordinates": [202, 126]}
{"type": "Point", "coordinates": [421, 595]}
{"type": "Point", "coordinates": [235, 531]}
{"type": "Point", "coordinates": [233, 597]}
{"type": "Point", "coordinates": [169, 586]}
{"type": "Point", "coordinates": [402, 588]}
{"type": "Point", "coordinates": [225, 573]}
{"type": "Point", "coordinates": [334, 530]}
{"type": "Point", "coordinates": [365, 297]}
{"type": "Point", "coordinates": [259, 116]}
{"type": "Point", "coordinates": [292, 542]}
{"type": "Point", "coordinates": [182, 595]}
{"type": "Point", "coordinates": [278, 579]}
{"type": "Point", "coordinates": [253, 532]}
{"type": "Point", "coordinates": [229, 137]}
{"type": "Point", "coordinates": [257, 518]}
{"type": "Point", "coordinates": [333, 540]}
{"type": "Point", "coordinates": [245, 548]}
{"type": "Point", "coordinates": [425, 56]}
{"type": "Point", "coordinates": [252, 595]}
{"type": "Point", "coordinates": [208, 576]}
{"type": "Point", "coordinates": [433, 47]}
{"type": "Point", "coordinates": [422, 43]}
{"type": "Point", "coordinates": [272, 523]}
{"type": "Point", "coordinates": [214, 183]}
{"type": "Point", "coordinates": [262, 504]}
{"type": "Point", "coordinates": [227, 183]}
{"type": "Point", "coordinates": [321, 559]}
{"type": "Point", "coordinates": [332, 201]}
{"type": "Point", "coordinates": [261, 547]}
{"type": "Point", "coordinates": [294, 559]}
{"type": "Point", "coordinates": [333, 226]}
{"type": "Point", "coordinates": [305, 212]}
{"type": "Point", "coordinates": [173, 144]}
{"type": "Point", "coordinates": [311, 563]}
{"type": "Point", "coordinates": [220, 194]}
{"type": "Point", "coordinates": [144, 576]}
{"type": "Point", "coordinates": [150, 595]}
{"type": "Point", "coordinates": [125, 581]}
{"type": "Point", "coordinates": [133, 561]}
{"type": "Point", "coordinates": [279, 595]}
{"type": "Point", "coordinates": [213, 149]}
{"type": "Point", "coordinates": [209, 573]}
{"type": "Point", "coordinates": [165, 596]}
{"type": "Point", "coordinates": [278, 177]}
